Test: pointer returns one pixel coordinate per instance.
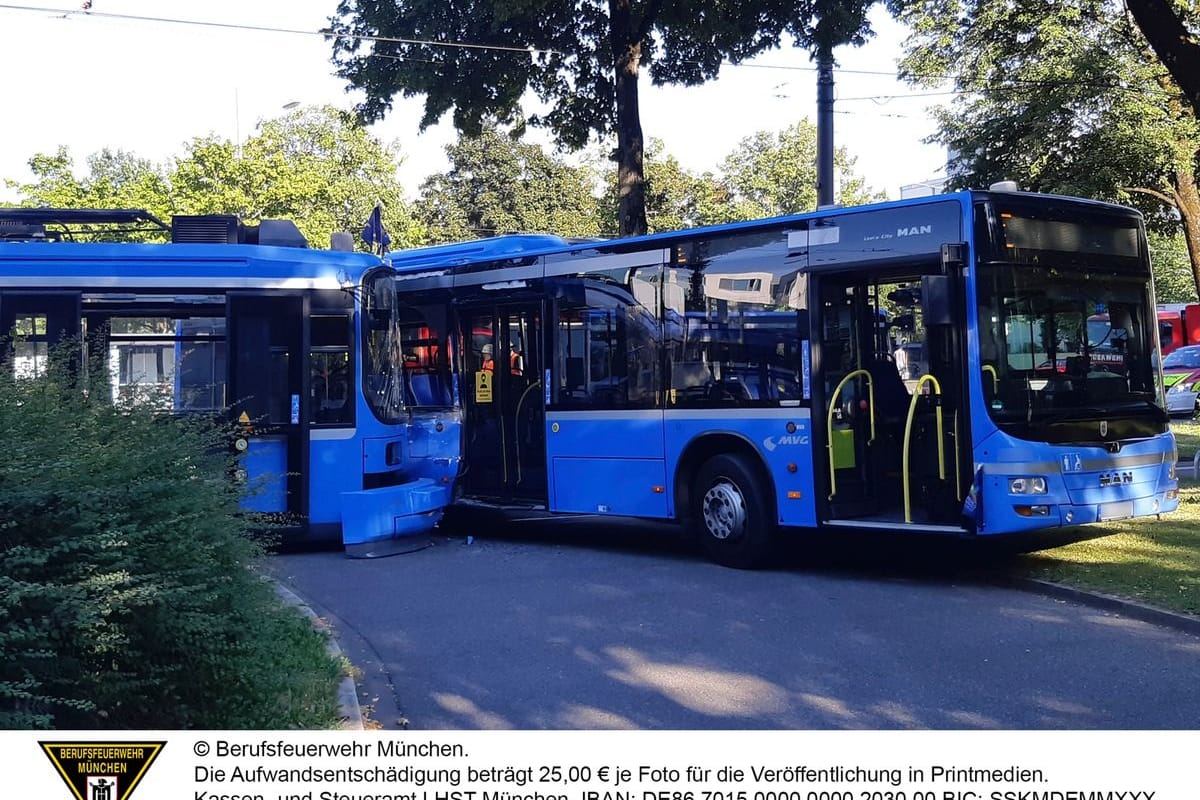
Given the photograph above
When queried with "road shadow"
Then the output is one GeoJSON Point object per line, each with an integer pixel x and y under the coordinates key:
{"type": "Point", "coordinates": [864, 553]}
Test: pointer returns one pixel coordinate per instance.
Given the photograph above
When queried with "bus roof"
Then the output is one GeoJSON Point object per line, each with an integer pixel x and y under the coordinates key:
{"type": "Point", "coordinates": [166, 266]}
{"type": "Point", "coordinates": [500, 247]}
{"type": "Point", "coordinates": [495, 247]}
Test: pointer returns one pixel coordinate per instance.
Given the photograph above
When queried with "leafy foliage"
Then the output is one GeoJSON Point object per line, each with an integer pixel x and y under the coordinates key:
{"type": "Point", "coordinates": [1064, 98]}
{"type": "Point", "coordinates": [128, 597]}
{"type": "Point", "coordinates": [316, 166]}
{"type": "Point", "coordinates": [770, 174]}
{"type": "Point", "coordinates": [675, 196]}
{"type": "Point", "coordinates": [497, 184]}
{"type": "Point", "coordinates": [115, 179]}
{"type": "Point", "coordinates": [562, 52]}
{"type": "Point", "coordinates": [478, 58]}
{"type": "Point", "coordinates": [766, 175]}
{"type": "Point", "coordinates": [1170, 27]}
{"type": "Point", "coordinates": [1172, 269]}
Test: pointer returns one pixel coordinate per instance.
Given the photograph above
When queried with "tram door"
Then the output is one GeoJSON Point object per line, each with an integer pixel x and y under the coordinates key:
{"type": "Point", "coordinates": [503, 390]}
{"type": "Point", "coordinates": [266, 389]}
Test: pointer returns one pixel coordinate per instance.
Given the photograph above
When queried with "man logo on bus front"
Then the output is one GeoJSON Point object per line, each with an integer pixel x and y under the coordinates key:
{"type": "Point", "coordinates": [1103, 428]}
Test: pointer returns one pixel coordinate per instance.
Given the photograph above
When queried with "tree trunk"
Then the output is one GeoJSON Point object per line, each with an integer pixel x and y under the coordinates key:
{"type": "Point", "coordinates": [631, 180]}
{"type": "Point", "coordinates": [1175, 47]}
{"type": "Point", "coordinates": [1187, 201]}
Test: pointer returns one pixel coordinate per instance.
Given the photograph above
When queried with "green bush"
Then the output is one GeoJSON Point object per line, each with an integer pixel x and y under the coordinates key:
{"type": "Point", "coordinates": [128, 595]}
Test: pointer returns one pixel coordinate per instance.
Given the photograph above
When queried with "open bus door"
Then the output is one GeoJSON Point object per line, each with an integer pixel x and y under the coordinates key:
{"type": "Point", "coordinates": [267, 383]}
{"type": "Point", "coordinates": [893, 416]}
{"type": "Point", "coordinates": [504, 439]}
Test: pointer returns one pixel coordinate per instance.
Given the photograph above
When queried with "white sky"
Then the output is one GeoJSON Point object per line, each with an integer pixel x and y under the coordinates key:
{"type": "Point", "coordinates": [88, 82]}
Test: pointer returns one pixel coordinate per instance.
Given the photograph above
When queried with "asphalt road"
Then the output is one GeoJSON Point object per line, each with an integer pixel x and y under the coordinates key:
{"type": "Point", "coordinates": [588, 626]}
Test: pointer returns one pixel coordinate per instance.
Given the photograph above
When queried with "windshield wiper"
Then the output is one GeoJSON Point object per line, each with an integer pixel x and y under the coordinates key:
{"type": "Point", "coordinates": [1160, 412]}
{"type": "Point", "coordinates": [1090, 413]}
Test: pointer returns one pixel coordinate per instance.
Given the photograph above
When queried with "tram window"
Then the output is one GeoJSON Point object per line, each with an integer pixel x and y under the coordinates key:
{"type": "Point", "coordinates": [329, 377]}
{"type": "Point", "coordinates": [31, 348]}
{"type": "Point", "coordinates": [167, 362]}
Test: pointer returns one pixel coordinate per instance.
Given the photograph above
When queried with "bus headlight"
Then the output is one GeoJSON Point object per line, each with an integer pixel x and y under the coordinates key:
{"type": "Point", "coordinates": [1034, 484]}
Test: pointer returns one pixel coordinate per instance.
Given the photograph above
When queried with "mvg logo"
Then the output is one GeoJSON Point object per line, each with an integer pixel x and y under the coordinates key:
{"type": "Point", "coordinates": [771, 442]}
{"type": "Point", "coordinates": [915, 230]}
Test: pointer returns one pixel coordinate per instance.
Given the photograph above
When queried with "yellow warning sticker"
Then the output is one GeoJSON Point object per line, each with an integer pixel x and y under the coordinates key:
{"type": "Point", "coordinates": [483, 386]}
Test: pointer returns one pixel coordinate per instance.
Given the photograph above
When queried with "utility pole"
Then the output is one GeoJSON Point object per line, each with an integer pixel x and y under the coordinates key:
{"type": "Point", "coordinates": [824, 122]}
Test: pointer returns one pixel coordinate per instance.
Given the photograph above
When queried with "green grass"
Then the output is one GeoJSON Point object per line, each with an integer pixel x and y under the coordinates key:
{"type": "Point", "coordinates": [1187, 437]}
{"type": "Point", "coordinates": [1154, 561]}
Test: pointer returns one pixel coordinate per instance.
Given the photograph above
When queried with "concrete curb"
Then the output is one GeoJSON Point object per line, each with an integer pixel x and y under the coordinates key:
{"type": "Point", "coordinates": [1186, 623]}
{"type": "Point", "coordinates": [347, 696]}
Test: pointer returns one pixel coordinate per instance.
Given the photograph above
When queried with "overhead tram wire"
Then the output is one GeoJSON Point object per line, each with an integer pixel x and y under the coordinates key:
{"type": "Point", "coordinates": [74, 12]}
{"type": "Point", "coordinates": [268, 29]}
{"type": "Point", "coordinates": [531, 51]}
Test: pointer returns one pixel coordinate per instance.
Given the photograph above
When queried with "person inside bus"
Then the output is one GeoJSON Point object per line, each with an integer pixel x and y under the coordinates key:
{"type": "Point", "coordinates": [488, 364]}
{"type": "Point", "coordinates": [514, 360]}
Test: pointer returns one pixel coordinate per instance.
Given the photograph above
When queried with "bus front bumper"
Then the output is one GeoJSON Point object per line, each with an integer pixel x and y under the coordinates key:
{"type": "Point", "coordinates": [393, 519]}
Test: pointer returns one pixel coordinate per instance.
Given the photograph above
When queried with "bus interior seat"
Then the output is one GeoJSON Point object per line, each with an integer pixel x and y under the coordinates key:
{"type": "Point", "coordinates": [428, 389]}
{"type": "Point", "coordinates": [690, 374]}
{"type": "Point", "coordinates": [891, 395]}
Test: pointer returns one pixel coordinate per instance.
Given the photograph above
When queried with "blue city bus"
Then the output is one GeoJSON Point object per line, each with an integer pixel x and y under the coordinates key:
{"type": "Point", "coordinates": [917, 366]}
{"type": "Point", "coordinates": [239, 320]}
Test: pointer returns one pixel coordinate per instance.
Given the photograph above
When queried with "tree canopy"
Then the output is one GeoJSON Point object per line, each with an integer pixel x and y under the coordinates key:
{"type": "Point", "coordinates": [478, 58]}
{"type": "Point", "coordinates": [321, 170]}
{"type": "Point", "coordinates": [767, 174]}
{"type": "Point", "coordinates": [1066, 98]}
{"type": "Point", "coordinates": [1170, 27]}
{"type": "Point", "coordinates": [316, 166]}
{"type": "Point", "coordinates": [498, 184]}
{"type": "Point", "coordinates": [770, 174]}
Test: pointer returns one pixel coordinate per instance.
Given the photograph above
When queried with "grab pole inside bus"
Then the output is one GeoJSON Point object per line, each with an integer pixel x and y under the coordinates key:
{"type": "Point", "coordinates": [829, 421]}
{"type": "Point", "coordinates": [912, 410]}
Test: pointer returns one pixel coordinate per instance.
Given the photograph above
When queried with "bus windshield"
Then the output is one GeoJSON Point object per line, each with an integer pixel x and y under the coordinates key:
{"type": "Point", "coordinates": [1060, 343]}
{"type": "Point", "coordinates": [383, 362]}
{"type": "Point", "coordinates": [406, 361]}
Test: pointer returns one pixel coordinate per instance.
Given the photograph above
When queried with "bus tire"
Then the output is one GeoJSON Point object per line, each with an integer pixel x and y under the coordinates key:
{"type": "Point", "coordinates": [730, 514]}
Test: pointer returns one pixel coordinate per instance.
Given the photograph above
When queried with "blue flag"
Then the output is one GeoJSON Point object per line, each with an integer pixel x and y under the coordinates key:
{"type": "Point", "coordinates": [373, 234]}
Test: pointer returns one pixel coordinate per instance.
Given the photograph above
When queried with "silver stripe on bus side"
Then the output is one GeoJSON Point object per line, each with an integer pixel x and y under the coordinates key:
{"type": "Point", "coordinates": [127, 282]}
{"type": "Point", "coordinates": [574, 266]}
{"type": "Point", "coordinates": [615, 414]}
{"type": "Point", "coordinates": [531, 271]}
{"type": "Point", "coordinates": [679, 413]}
{"type": "Point", "coordinates": [331, 434]}
{"type": "Point", "coordinates": [787, 412]}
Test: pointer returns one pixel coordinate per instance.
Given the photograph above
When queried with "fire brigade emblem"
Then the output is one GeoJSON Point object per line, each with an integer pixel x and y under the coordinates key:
{"type": "Point", "coordinates": [102, 770]}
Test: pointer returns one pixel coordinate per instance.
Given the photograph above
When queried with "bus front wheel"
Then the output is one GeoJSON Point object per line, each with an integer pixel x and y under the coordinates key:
{"type": "Point", "coordinates": [730, 513]}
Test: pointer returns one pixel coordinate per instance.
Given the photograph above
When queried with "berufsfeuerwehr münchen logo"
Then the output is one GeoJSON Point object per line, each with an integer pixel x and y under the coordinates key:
{"type": "Point", "coordinates": [102, 770]}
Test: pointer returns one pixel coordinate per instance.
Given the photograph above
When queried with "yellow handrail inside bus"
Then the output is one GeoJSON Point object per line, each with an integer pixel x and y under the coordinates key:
{"type": "Point", "coordinates": [912, 409]}
{"type": "Point", "coordinates": [995, 377]}
{"type": "Point", "coordinates": [829, 421]}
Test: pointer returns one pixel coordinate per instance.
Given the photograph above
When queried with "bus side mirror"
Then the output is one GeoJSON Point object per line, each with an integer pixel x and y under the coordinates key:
{"type": "Point", "coordinates": [936, 300]}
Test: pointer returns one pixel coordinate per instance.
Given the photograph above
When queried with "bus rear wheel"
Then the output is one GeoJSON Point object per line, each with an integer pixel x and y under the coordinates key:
{"type": "Point", "coordinates": [730, 514]}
